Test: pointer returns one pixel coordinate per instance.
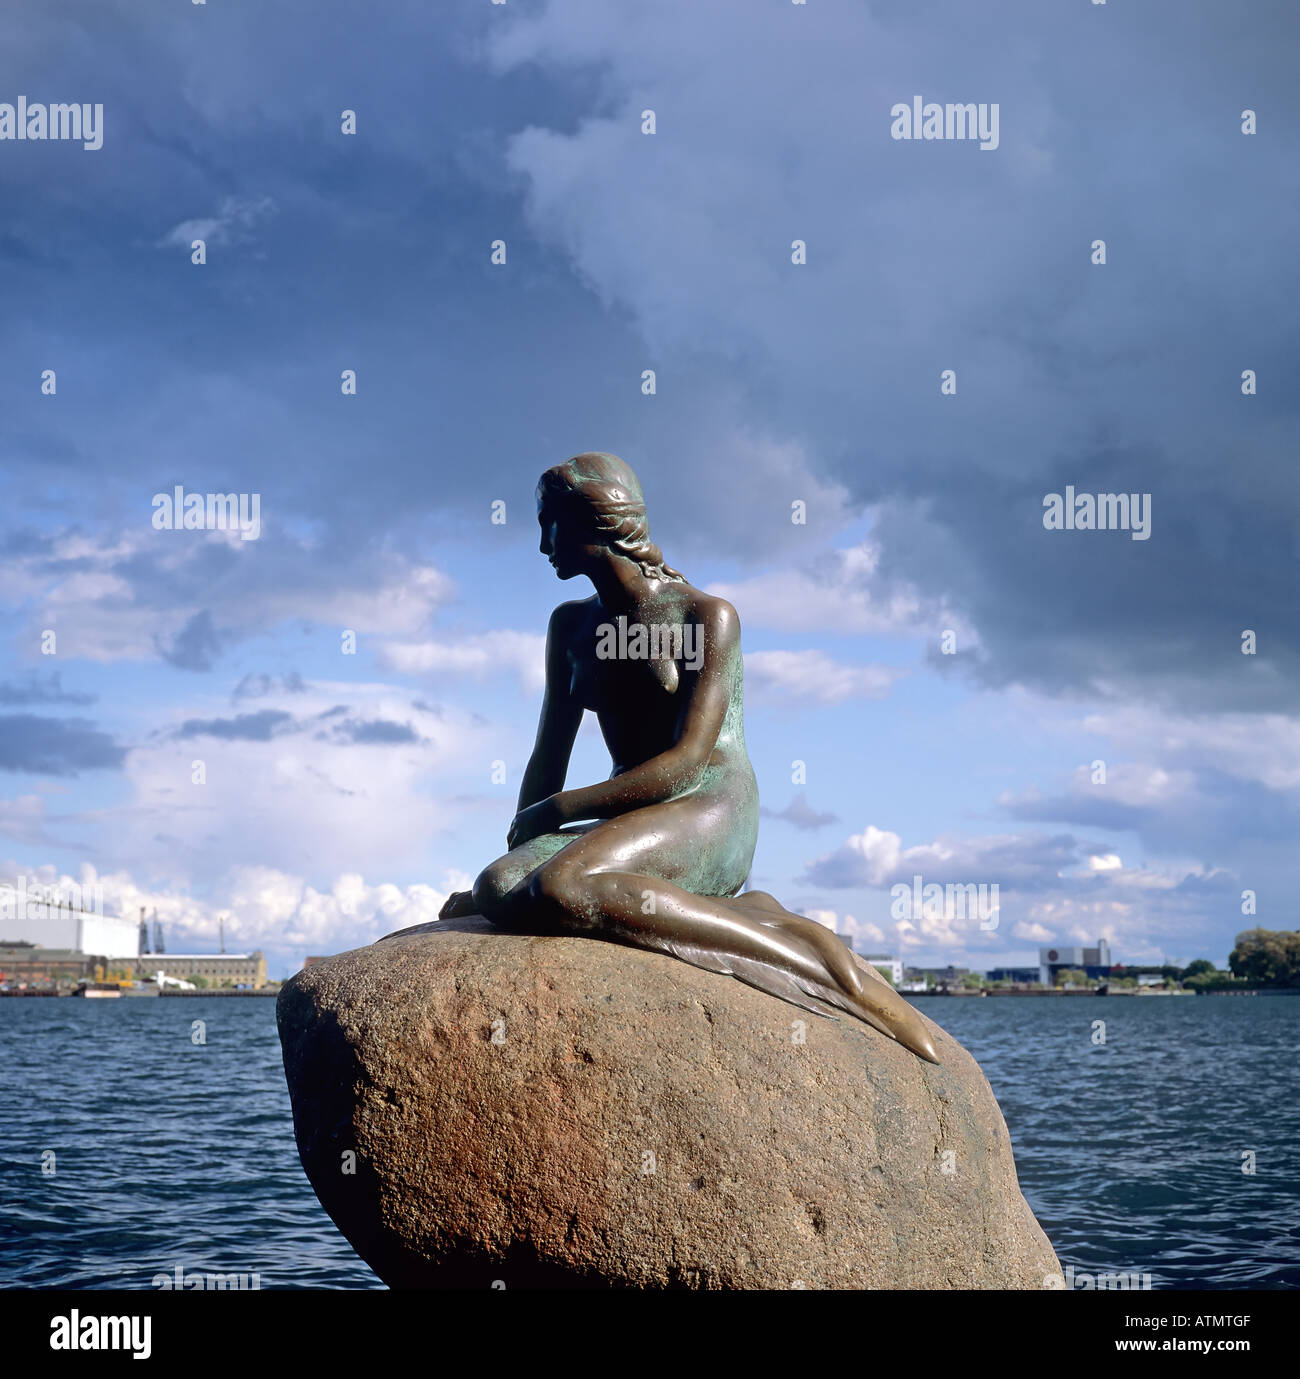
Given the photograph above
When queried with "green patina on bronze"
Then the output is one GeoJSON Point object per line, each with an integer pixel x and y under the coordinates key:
{"type": "Point", "coordinates": [657, 855]}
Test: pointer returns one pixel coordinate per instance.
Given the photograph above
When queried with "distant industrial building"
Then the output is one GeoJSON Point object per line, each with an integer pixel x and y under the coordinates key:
{"type": "Point", "coordinates": [29, 920]}
{"type": "Point", "coordinates": [1021, 976]}
{"type": "Point", "coordinates": [936, 976]}
{"type": "Point", "coordinates": [1093, 962]}
{"type": "Point", "coordinates": [216, 969]}
{"type": "Point", "coordinates": [24, 964]}
{"type": "Point", "coordinates": [892, 967]}
{"type": "Point", "coordinates": [44, 942]}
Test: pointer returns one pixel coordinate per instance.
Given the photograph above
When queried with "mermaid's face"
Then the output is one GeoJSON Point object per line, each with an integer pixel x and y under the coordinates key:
{"type": "Point", "coordinates": [564, 543]}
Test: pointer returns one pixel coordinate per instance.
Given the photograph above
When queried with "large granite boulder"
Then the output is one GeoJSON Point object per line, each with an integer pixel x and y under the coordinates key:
{"type": "Point", "coordinates": [475, 1107]}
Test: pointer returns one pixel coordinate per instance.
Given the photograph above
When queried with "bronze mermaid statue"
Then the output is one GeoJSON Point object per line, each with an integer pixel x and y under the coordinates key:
{"type": "Point", "coordinates": [656, 856]}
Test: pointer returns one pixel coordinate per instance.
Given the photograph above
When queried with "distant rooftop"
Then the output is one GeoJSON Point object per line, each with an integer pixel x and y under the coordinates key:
{"type": "Point", "coordinates": [206, 957]}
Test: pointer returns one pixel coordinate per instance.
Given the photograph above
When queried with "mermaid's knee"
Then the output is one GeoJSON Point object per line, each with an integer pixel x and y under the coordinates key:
{"type": "Point", "coordinates": [491, 887]}
{"type": "Point", "coordinates": [557, 890]}
{"type": "Point", "coordinates": [550, 886]}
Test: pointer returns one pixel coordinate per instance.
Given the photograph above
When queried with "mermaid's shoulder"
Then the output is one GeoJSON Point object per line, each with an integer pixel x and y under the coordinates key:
{"type": "Point", "coordinates": [717, 615]}
{"type": "Point", "coordinates": [570, 614]}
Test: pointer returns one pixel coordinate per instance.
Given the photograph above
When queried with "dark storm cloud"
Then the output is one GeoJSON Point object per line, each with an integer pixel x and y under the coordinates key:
{"type": "Point", "coordinates": [1206, 808]}
{"type": "Point", "coordinates": [55, 746]}
{"type": "Point", "coordinates": [374, 731]}
{"type": "Point", "coordinates": [394, 219]}
{"type": "Point", "coordinates": [800, 813]}
{"type": "Point", "coordinates": [1095, 612]}
{"type": "Point", "coordinates": [247, 727]}
{"type": "Point", "coordinates": [195, 646]}
{"type": "Point", "coordinates": [1027, 862]}
{"type": "Point", "coordinates": [367, 731]}
{"type": "Point", "coordinates": [266, 724]}
{"type": "Point", "coordinates": [260, 685]}
{"type": "Point", "coordinates": [1122, 125]}
{"type": "Point", "coordinates": [37, 689]}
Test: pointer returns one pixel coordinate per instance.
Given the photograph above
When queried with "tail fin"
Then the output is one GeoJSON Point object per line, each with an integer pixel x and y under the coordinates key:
{"type": "Point", "coordinates": [879, 1005]}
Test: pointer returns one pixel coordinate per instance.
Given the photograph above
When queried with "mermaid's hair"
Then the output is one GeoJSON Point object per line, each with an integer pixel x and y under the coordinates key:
{"type": "Point", "coordinates": [603, 489]}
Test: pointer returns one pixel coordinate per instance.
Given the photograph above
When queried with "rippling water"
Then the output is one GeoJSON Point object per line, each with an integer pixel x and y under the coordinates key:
{"type": "Point", "coordinates": [1130, 1152]}
{"type": "Point", "coordinates": [170, 1153]}
{"type": "Point", "coordinates": [167, 1152]}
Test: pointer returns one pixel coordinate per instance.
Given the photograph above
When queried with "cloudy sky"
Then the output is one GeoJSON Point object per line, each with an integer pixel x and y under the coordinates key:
{"type": "Point", "coordinates": [947, 670]}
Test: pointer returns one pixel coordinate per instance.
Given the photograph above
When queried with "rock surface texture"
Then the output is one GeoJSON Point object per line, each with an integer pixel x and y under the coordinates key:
{"type": "Point", "coordinates": [473, 1106]}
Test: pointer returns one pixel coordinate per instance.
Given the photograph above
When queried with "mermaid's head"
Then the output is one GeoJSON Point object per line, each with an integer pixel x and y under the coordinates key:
{"type": "Point", "coordinates": [594, 501]}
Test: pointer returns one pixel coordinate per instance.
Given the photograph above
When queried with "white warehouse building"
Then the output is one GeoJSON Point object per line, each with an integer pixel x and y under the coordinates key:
{"type": "Point", "coordinates": [1095, 962]}
{"type": "Point", "coordinates": [27, 916]}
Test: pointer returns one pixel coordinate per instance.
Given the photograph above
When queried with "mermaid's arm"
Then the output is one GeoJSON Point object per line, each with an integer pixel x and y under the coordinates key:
{"type": "Point", "coordinates": [679, 769]}
{"type": "Point", "coordinates": [558, 725]}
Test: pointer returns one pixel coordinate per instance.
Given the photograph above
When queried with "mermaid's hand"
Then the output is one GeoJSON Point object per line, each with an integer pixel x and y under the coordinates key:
{"type": "Point", "coordinates": [530, 823]}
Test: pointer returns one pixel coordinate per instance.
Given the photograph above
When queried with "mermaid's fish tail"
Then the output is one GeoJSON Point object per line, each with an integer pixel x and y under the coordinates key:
{"type": "Point", "coordinates": [876, 1004]}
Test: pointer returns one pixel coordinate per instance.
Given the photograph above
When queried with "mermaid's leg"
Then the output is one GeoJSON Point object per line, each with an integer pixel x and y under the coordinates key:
{"type": "Point", "coordinates": [498, 878]}
{"type": "Point", "coordinates": [647, 911]}
{"type": "Point", "coordinates": [612, 883]}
